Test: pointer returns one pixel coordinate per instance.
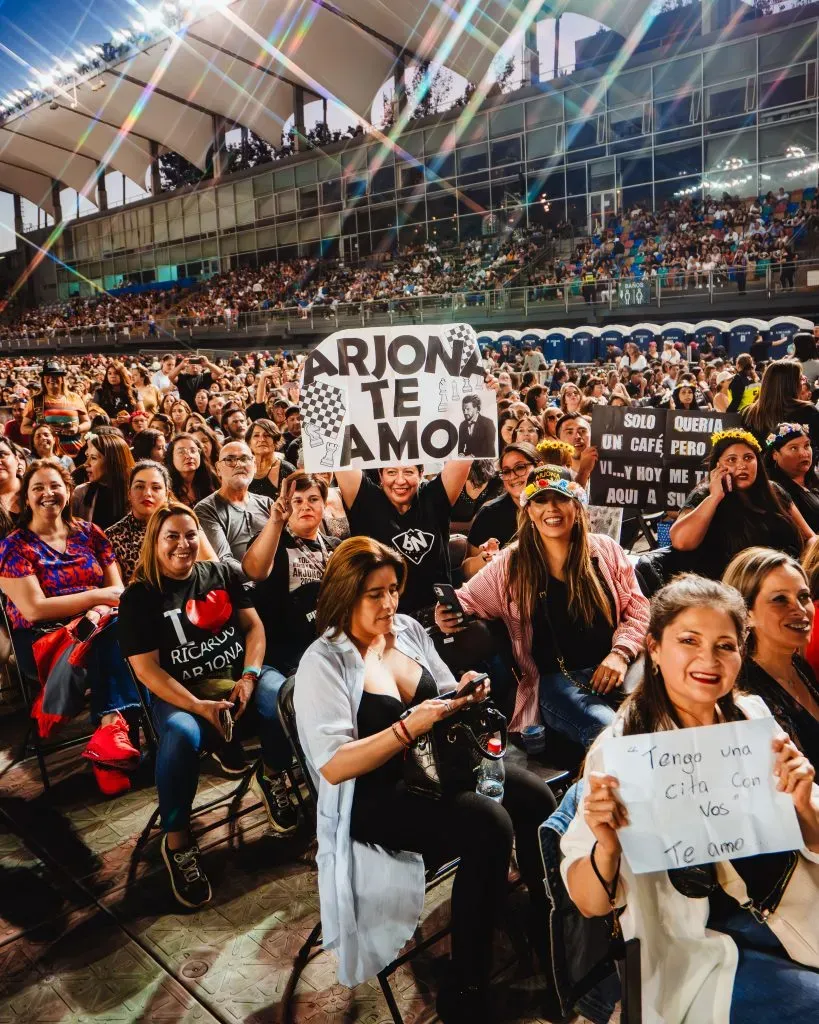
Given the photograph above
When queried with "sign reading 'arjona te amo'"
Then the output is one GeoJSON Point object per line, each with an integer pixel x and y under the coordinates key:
{"type": "Point", "coordinates": [411, 394]}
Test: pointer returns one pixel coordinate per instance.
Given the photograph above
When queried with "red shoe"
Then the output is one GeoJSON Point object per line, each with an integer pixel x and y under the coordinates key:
{"type": "Point", "coordinates": [111, 746]}
{"type": "Point", "coordinates": [111, 781]}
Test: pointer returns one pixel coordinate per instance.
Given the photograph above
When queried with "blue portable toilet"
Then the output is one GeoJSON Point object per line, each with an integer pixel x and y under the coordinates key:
{"type": "Point", "coordinates": [556, 343]}
{"type": "Point", "coordinates": [719, 328]}
{"type": "Point", "coordinates": [488, 339]}
{"type": "Point", "coordinates": [677, 330]}
{"type": "Point", "coordinates": [742, 334]}
{"type": "Point", "coordinates": [583, 344]}
{"type": "Point", "coordinates": [613, 334]}
{"type": "Point", "coordinates": [642, 334]}
{"type": "Point", "coordinates": [786, 327]}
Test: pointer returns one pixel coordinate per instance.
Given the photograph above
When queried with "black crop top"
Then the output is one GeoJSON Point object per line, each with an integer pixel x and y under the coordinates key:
{"type": "Point", "coordinates": [376, 712]}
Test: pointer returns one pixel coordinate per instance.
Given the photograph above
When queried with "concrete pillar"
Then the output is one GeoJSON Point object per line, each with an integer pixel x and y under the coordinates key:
{"type": "Point", "coordinates": [531, 71]}
{"type": "Point", "coordinates": [156, 181]}
{"type": "Point", "coordinates": [708, 16]}
{"type": "Point", "coordinates": [102, 191]}
{"type": "Point", "coordinates": [55, 199]}
{"type": "Point", "coordinates": [18, 216]}
{"type": "Point", "coordinates": [219, 149]}
{"type": "Point", "coordinates": [298, 117]}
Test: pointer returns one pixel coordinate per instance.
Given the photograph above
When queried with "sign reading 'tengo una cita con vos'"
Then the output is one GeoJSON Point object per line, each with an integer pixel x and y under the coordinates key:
{"type": "Point", "coordinates": [412, 394]}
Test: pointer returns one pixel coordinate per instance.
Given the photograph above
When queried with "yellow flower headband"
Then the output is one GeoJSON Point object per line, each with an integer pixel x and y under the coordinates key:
{"type": "Point", "coordinates": [736, 434]}
{"type": "Point", "coordinates": [551, 444]}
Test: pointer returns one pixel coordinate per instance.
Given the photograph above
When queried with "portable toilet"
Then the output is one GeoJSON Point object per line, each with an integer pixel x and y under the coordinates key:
{"type": "Point", "coordinates": [642, 334]}
{"type": "Point", "coordinates": [742, 334]}
{"type": "Point", "coordinates": [583, 344]}
{"type": "Point", "coordinates": [556, 343]}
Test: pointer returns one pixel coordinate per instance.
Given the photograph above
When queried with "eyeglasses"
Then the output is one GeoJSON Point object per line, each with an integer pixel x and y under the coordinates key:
{"type": "Point", "coordinates": [237, 460]}
{"type": "Point", "coordinates": [519, 470]}
{"type": "Point", "coordinates": [187, 451]}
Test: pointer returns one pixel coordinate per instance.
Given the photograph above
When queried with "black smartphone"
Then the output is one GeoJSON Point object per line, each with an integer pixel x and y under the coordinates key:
{"type": "Point", "coordinates": [85, 630]}
{"type": "Point", "coordinates": [470, 688]}
{"type": "Point", "coordinates": [445, 594]}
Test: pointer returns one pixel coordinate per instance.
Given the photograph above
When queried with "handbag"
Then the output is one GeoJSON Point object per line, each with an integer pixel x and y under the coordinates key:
{"type": "Point", "coordinates": [444, 760]}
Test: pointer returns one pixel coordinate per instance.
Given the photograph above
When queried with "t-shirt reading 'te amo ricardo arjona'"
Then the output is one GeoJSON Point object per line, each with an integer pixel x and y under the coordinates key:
{"type": "Point", "coordinates": [193, 624]}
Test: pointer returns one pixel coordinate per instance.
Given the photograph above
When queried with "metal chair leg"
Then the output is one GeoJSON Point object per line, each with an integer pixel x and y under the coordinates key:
{"type": "Point", "coordinates": [395, 1013]}
{"type": "Point", "coordinates": [310, 945]}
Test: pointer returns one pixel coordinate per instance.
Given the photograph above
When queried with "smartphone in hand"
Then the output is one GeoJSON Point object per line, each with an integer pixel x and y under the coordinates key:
{"type": "Point", "coordinates": [445, 595]}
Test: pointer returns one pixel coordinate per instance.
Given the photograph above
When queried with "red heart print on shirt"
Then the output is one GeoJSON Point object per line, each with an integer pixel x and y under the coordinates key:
{"type": "Point", "coordinates": [211, 612]}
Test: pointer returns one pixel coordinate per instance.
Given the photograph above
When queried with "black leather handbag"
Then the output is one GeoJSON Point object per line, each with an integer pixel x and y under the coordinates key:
{"type": "Point", "coordinates": [444, 760]}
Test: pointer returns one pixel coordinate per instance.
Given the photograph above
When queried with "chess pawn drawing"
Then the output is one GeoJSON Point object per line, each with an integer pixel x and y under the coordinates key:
{"type": "Point", "coordinates": [466, 387]}
{"type": "Point", "coordinates": [443, 395]}
{"type": "Point", "coordinates": [328, 458]}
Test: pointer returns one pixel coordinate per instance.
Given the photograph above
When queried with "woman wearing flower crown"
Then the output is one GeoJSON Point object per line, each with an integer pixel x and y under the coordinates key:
{"type": "Point", "coordinates": [737, 507]}
{"type": "Point", "coordinates": [571, 604]}
{"type": "Point", "coordinates": [789, 461]}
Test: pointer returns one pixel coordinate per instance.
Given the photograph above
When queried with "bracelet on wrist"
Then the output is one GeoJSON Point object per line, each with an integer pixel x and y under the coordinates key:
{"type": "Point", "coordinates": [406, 732]}
{"type": "Point", "coordinates": [397, 733]}
{"type": "Point", "coordinates": [252, 670]}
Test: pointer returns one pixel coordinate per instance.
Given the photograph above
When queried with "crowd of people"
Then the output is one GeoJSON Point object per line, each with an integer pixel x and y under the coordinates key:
{"type": "Point", "coordinates": [166, 506]}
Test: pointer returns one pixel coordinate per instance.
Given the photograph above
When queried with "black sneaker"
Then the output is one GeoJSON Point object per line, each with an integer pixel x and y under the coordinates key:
{"type": "Point", "coordinates": [281, 813]}
{"type": "Point", "coordinates": [189, 882]}
{"type": "Point", "coordinates": [231, 758]}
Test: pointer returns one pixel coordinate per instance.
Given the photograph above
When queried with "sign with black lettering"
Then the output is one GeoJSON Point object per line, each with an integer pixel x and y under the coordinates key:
{"type": "Point", "coordinates": [378, 397]}
{"type": "Point", "coordinates": [651, 459]}
{"type": "Point", "coordinates": [701, 795]}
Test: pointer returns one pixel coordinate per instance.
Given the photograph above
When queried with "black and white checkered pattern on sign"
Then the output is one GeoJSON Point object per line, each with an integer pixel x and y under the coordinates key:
{"type": "Point", "coordinates": [323, 408]}
{"type": "Point", "coordinates": [465, 334]}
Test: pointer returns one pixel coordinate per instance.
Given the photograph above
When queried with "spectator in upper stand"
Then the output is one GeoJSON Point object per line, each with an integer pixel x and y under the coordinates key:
{"type": "Point", "coordinates": [193, 373]}
{"type": "Point", "coordinates": [232, 516]}
{"type": "Point", "coordinates": [12, 429]}
{"type": "Point", "coordinates": [411, 515]}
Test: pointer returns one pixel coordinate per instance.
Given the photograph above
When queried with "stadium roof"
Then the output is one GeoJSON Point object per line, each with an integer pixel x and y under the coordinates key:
{"type": "Point", "coordinates": [238, 62]}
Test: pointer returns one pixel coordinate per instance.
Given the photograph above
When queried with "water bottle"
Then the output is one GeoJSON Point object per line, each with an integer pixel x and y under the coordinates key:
{"type": "Point", "coordinates": [492, 774]}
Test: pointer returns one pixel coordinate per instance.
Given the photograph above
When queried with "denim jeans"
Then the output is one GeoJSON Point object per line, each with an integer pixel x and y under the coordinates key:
{"type": "Point", "coordinates": [111, 685]}
{"type": "Point", "coordinates": [576, 713]}
{"type": "Point", "coordinates": [183, 735]}
{"type": "Point", "coordinates": [769, 987]}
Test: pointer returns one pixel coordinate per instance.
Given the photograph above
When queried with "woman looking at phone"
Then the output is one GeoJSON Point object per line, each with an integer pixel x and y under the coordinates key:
{"type": "Point", "coordinates": [727, 943]}
{"type": "Point", "coordinates": [738, 507]}
{"type": "Point", "coordinates": [193, 638]}
{"type": "Point", "coordinates": [287, 560]}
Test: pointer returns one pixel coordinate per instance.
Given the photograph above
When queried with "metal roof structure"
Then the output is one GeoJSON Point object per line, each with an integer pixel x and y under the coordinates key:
{"type": "Point", "coordinates": [236, 64]}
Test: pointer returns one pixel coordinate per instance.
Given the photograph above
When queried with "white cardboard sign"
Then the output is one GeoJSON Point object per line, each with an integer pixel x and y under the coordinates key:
{"type": "Point", "coordinates": [701, 795]}
{"type": "Point", "coordinates": [384, 396]}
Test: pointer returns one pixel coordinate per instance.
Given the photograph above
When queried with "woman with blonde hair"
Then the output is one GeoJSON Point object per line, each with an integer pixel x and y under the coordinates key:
{"type": "Point", "coordinates": [366, 689]}
{"type": "Point", "coordinates": [104, 499]}
{"type": "Point", "coordinates": [572, 606]}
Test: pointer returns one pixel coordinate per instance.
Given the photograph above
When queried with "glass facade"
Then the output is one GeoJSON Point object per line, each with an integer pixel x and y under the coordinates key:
{"type": "Point", "coordinates": [741, 118]}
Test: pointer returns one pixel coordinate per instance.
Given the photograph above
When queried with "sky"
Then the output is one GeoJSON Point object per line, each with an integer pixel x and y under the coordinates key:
{"type": "Point", "coordinates": [38, 33]}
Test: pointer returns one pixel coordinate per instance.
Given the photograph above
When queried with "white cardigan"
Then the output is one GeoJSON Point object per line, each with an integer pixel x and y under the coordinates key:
{"type": "Point", "coordinates": [687, 971]}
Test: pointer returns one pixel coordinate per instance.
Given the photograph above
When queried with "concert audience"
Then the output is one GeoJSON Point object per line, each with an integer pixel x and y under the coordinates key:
{"type": "Point", "coordinates": [104, 499]}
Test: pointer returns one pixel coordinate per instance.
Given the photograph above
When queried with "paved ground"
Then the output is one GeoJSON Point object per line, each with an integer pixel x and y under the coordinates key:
{"type": "Point", "coordinates": [80, 942]}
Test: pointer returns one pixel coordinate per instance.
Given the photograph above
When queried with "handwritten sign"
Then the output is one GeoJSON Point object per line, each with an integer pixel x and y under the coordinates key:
{"type": "Point", "coordinates": [651, 458]}
{"type": "Point", "coordinates": [697, 796]}
{"type": "Point", "coordinates": [413, 394]}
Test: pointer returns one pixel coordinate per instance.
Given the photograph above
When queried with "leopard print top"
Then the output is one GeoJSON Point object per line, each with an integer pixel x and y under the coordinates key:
{"type": "Point", "coordinates": [126, 538]}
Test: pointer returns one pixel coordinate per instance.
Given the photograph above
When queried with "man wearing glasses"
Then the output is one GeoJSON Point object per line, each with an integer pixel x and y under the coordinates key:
{"type": "Point", "coordinates": [497, 521]}
{"type": "Point", "coordinates": [232, 516]}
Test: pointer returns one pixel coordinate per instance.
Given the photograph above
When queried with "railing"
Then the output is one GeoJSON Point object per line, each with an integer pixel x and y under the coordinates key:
{"type": "Point", "coordinates": [500, 307]}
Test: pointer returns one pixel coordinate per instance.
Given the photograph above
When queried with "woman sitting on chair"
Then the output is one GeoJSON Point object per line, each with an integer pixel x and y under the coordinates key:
{"type": "Point", "coordinates": [54, 568]}
{"type": "Point", "coordinates": [193, 638]}
{"type": "Point", "coordinates": [705, 955]}
{"type": "Point", "coordinates": [365, 690]}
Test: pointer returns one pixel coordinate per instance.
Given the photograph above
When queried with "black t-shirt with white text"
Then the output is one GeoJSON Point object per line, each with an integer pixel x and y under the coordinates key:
{"type": "Point", "coordinates": [421, 535]}
{"type": "Point", "coordinates": [286, 600]}
{"type": "Point", "coordinates": [192, 623]}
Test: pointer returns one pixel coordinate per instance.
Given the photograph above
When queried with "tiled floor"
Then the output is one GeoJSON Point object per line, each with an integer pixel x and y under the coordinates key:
{"type": "Point", "coordinates": [80, 943]}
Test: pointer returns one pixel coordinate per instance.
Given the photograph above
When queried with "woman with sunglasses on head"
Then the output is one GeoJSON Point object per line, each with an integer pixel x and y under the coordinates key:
{"type": "Point", "coordinates": [496, 521]}
{"type": "Point", "coordinates": [736, 508]}
{"type": "Point", "coordinates": [775, 589]}
{"type": "Point", "coordinates": [572, 606]}
{"type": "Point", "coordinates": [705, 956]}
{"type": "Point", "coordinates": [789, 460]}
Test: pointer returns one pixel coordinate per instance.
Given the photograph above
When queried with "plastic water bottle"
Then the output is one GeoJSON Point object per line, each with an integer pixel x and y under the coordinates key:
{"type": "Point", "coordinates": [492, 774]}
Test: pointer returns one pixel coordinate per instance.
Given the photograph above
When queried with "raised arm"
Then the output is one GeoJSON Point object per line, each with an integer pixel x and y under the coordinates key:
{"type": "Point", "coordinates": [257, 563]}
{"type": "Point", "coordinates": [454, 476]}
{"type": "Point", "coordinates": [690, 529]}
{"type": "Point", "coordinates": [349, 484]}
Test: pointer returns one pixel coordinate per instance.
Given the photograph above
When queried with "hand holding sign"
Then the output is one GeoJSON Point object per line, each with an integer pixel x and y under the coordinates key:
{"type": "Point", "coordinates": [707, 794]}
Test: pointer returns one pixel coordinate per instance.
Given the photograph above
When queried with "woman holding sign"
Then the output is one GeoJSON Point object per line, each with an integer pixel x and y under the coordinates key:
{"type": "Point", "coordinates": [726, 942]}
{"type": "Point", "coordinates": [736, 508]}
{"type": "Point", "coordinates": [571, 604]}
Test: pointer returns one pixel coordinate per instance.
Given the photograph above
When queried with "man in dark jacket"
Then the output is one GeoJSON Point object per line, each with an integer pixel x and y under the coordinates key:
{"type": "Point", "coordinates": [476, 435]}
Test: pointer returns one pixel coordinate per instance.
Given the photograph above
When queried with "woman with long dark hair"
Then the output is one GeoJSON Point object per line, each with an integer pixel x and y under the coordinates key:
{"type": "Point", "coordinates": [104, 499]}
{"type": "Point", "coordinates": [191, 478]}
{"type": "Point", "coordinates": [149, 444]}
{"type": "Point", "coordinates": [736, 508]}
{"type": "Point", "coordinates": [116, 393]}
{"type": "Point", "coordinates": [780, 401]}
{"type": "Point", "coordinates": [571, 604]}
{"type": "Point", "coordinates": [757, 950]}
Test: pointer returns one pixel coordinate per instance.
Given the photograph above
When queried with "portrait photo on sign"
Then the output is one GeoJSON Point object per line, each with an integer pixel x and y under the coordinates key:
{"type": "Point", "coordinates": [381, 397]}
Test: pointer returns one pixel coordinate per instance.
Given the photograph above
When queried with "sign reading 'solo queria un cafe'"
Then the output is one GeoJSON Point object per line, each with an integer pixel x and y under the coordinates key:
{"type": "Point", "coordinates": [651, 458]}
